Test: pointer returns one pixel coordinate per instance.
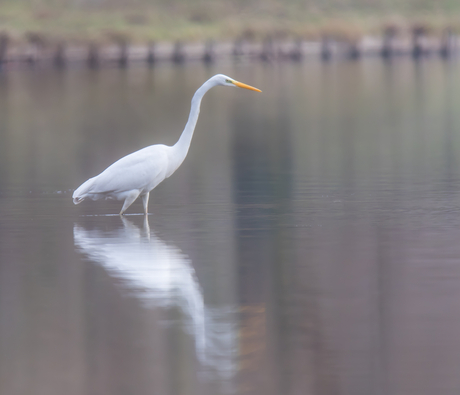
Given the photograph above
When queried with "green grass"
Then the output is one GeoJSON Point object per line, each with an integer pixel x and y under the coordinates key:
{"type": "Point", "coordinates": [192, 20]}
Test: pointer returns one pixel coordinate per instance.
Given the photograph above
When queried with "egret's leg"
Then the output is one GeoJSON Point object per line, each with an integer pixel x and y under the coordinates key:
{"type": "Point", "coordinates": [129, 200]}
{"type": "Point", "coordinates": [145, 202]}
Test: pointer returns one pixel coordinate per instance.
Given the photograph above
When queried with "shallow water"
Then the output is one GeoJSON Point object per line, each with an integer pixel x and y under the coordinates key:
{"type": "Point", "coordinates": [309, 244]}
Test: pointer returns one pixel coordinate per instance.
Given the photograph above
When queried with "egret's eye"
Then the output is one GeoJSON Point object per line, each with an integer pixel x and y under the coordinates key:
{"type": "Point", "coordinates": [229, 81]}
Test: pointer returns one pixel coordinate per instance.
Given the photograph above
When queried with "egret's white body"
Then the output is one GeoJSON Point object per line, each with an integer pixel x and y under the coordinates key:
{"type": "Point", "coordinates": [138, 173]}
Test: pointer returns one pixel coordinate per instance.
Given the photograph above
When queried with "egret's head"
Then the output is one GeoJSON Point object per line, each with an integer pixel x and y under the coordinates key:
{"type": "Point", "coordinates": [227, 81]}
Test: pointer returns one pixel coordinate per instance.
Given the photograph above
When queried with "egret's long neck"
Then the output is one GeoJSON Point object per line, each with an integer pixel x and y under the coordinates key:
{"type": "Point", "coordinates": [183, 144]}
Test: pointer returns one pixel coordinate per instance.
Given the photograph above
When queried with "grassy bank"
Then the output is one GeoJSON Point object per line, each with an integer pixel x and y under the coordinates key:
{"type": "Point", "coordinates": [143, 20]}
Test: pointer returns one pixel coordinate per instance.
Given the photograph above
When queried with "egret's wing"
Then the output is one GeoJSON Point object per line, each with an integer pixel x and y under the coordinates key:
{"type": "Point", "coordinates": [138, 170]}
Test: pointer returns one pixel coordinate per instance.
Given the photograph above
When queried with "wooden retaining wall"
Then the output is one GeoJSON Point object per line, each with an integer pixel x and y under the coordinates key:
{"type": "Point", "coordinates": [269, 50]}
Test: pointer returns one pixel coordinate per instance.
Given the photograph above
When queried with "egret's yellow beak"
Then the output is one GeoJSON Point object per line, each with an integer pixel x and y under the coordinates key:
{"type": "Point", "coordinates": [241, 85]}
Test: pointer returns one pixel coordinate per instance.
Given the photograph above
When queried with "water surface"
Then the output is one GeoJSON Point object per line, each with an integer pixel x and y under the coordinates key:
{"type": "Point", "coordinates": [309, 244]}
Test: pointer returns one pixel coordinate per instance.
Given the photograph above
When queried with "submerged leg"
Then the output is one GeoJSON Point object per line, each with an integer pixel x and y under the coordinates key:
{"type": "Point", "coordinates": [145, 202]}
{"type": "Point", "coordinates": [129, 200]}
{"type": "Point", "coordinates": [146, 228]}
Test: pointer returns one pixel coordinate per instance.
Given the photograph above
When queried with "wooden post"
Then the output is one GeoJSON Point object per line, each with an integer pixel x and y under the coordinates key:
{"type": "Point", "coordinates": [59, 56]}
{"type": "Point", "coordinates": [4, 40]}
{"type": "Point", "coordinates": [123, 54]}
{"type": "Point", "coordinates": [353, 51]}
{"type": "Point", "coordinates": [389, 34]}
{"type": "Point", "coordinates": [418, 33]}
{"type": "Point", "coordinates": [121, 40]}
{"type": "Point", "coordinates": [326, 52]}
{"type": "Point", "coordinates": [238, 47]}
{"type": "Point", "coordinates": [208, 56]}
{"type": "Point", "coordinates": [446, 44]}
{"type": "Point", "coordinates": [296, 53]}
{"type": "Point", "coordinates": [151, 53]}
{"type": "Point", "coordinates": [93, 56]}
{"type": "Point", "coordinates": [267, 53]}
{"type": "Point", "coordinates": [37, 41]}
{"type": "Point", "coordinates": [178, 53]}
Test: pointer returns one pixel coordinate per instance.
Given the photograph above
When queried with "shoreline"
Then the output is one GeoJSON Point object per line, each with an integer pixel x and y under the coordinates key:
{"type": "Point", "coordinates": [269, 50]}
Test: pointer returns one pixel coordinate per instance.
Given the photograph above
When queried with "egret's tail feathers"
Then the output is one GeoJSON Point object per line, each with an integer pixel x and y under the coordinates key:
{"type": "Point", "coordinates": [78, 199]}
{"type": "Point", "coordinates": [82, 191]}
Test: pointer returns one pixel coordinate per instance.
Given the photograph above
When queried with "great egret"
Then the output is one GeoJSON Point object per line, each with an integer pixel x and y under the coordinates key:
{"type": "Point", "coordinates": [138, 173]}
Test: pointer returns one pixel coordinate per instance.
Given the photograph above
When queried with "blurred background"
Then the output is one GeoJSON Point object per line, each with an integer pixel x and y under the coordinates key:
{"type": "Point", "coordinates": [95, 30]}
{"type": "Point", "coordinates": [142, 20]}
{"type": "Point", "coordinates": [307, 245]}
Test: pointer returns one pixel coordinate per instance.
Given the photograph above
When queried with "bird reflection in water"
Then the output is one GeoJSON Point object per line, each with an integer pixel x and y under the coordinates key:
{"type": "Point", "coordinates": [161, 275]}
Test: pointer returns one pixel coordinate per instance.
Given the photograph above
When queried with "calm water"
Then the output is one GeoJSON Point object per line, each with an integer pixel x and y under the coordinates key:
{"type": "Point", "coordinates": [309, 244]}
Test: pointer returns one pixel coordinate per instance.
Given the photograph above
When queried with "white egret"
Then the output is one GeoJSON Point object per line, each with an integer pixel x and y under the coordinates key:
{"type": "Point", "coordinates": [138, 173]}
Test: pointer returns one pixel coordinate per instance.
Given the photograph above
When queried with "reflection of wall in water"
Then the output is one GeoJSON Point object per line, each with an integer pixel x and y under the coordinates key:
{"type": "Point", "coordinates": [262, 187]}
{"type": "Point", "coordinates": [252, 348]}
{"type": "Point", "coordinates": [262, 174]}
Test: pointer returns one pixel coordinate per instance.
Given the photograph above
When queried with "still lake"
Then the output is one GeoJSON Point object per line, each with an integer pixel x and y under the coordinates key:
{"type": "Point", "coordinates": [309, 244]}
